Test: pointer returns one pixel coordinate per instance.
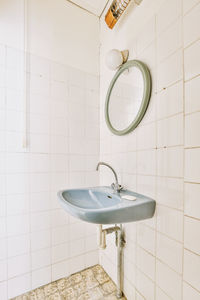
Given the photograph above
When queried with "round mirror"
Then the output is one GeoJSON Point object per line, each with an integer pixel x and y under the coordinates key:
{"type": "Point", "coordinates": [128, 97]}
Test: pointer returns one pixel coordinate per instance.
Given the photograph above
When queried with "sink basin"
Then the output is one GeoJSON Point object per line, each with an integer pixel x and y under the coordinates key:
{"type": "Point", "coordinates": [100, 205]}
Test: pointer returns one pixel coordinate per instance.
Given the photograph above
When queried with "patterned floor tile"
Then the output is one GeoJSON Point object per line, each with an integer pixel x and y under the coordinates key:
{"type": "Point", "coordinates": [90, 284]}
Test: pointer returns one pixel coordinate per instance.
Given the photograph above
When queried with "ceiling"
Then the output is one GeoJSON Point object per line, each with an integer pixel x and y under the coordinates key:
{"type": "Point", "coordinates": [94, 6]}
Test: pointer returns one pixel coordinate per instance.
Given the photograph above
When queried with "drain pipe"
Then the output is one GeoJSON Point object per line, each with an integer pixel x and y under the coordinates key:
{"type": "Point", "coordinates": [120, 242]}
{"type": "Point", "coordinates": [120, 245]}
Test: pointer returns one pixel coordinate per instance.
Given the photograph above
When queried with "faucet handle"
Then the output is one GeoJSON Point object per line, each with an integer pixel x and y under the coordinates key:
{"type": "Point", "coordinates": [116, 187]}
{"type": "Point", "coordinates": [120, 187]}
{"type": "Point", "coordinates": [113, 186]}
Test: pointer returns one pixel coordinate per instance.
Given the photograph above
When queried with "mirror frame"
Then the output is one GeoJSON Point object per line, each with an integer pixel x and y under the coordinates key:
{"type": "Point", "coordinates": [145, 100]}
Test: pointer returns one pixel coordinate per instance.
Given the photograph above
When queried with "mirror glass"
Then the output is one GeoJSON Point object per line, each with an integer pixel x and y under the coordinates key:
{"type": "Point", "coordinates": [128, 97]}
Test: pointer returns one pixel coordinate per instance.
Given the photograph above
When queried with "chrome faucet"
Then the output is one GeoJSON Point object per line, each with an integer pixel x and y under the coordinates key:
{"type": "Point", "coordinates": [116, 186]}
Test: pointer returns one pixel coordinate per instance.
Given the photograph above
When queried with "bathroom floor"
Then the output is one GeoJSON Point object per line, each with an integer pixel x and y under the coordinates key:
{"type": "Point", "coordinates": [92, 283]}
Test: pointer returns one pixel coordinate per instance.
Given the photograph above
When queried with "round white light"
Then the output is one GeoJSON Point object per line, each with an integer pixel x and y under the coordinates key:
{"type": "Point", "coordinates": [114, 59]}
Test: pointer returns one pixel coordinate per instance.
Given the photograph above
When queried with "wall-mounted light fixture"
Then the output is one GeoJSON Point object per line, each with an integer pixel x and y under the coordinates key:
{"type": "Point", "coordinates": [116, 10]}
{"type": "Point", "coordinates": [115, 58]}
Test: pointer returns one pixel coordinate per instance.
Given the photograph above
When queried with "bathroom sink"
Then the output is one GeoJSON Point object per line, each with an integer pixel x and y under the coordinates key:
{"type": "Point", "coordinates": [101, 205]}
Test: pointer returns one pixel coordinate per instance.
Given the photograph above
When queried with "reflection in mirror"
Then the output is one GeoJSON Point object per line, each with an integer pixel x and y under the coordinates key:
{"type": "Point", "coordinates": [126, 98]}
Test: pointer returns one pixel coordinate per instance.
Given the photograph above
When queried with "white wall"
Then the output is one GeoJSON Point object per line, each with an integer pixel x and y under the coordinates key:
{"type": "Point", "coordinates": [39, 242]}
{"type": "Point", "coordinates": [161, 157]}
{"type": "Point", "coordinates": [57, 30]}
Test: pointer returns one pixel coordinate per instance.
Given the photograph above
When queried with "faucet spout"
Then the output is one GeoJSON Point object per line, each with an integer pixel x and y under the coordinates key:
{"type": "Point", "coordinates": [115, 186]}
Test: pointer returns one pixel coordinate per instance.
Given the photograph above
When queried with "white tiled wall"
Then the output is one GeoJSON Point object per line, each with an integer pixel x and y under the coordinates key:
{"type": "Point", "coordinates": [161, 158]}
{"type": "Point", "coordinates": [39, 242]}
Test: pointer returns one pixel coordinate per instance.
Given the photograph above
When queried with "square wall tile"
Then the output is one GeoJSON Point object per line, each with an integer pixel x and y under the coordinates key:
{"type": "Point", "coordinates": [2, 55]}
{"type": "Point", "coordinates": [14, 58]}
{"type": "Point", "coordinates": [170, 192]}
{"type": "Point", "coordinates": [39, 66]}
{"type": "Point", "coordinates": [170, 252]}
{"type": "Point", "coordinates": [129, 290]}
{"type": "Point", "coordinates": [145, 286]}
{"type": "Point", "coordinates": [170, 162]}
{"type": "Point", "coordinates": [190, 293]}
{"type": "Point", "coordinates": [192, 170]}
{"type": "Point", "coordinates": [14, 100]}
{"type": "Point", "coordinates": [146, 185]}
{"type": "Point", "coordinates": [39, 143]}
{"type": "Point", "coordinates": [40, 221]}
{"type": "Point", "coordinates": [130, 271]}
{"type": "Point", "coordinates": [170, 222]}
{"type": "Point", "coordinates": [77, 231]}
{"type": "Point", "coordinates": [2, 77]}
{"type": "Point", "coordinates": [17, 204]}
{"type": "Point", "coordinates": [192, 123]}
{"type": "Point", "coordinates": [40, 258]}
{"type": "Point", "coordinates": [170, 101]}
{"type": "Point", "coordinates": [3, 290]}
{"type": "Point", "coordinates": [168, 13]}
{"type": "Point", "coordinates": [170, 70]}
{"type": "Point", "coordinates": [60, 270]}
{"type": "Point", "coordinates": [192, 60]}
{"type": "Point", "coordinates": [170, 131]}
{"type": "Point", "coordinates": [170, 40]}
{"type": "Point", "coordinates": [146, 136]}
{"type": "Point", "coordinates": [41, 277]}
{"type": "Point", "coordinates": [192, 90]}
{"type": "Point", "coordinates": [39, 124]}
{"type": "Point", "coordinates": [191, 235]}
{"type": "Point", "coordinates": [17, 162]}
{"type": "Point", "coordinates": [146, 238]}
{"type": "Point", "coordinates": [192, 203]}
{"type": "Point", "coordinates": [17, 225]}
{"type": "Point", "coordinates": [191, 23]}
{"type": "Point", "coordinates": [38, 104]}
{"type": "Point", "coordinates": [146, 263]}
{"type": "Point", "coordinates": [18, 245]}
{"type": "Point", "coordinates": [60, 253]}
{"type": "Point", "coordinates": [2, 206]}
{"type": "Point", "coordinates": [148, 56]}
{"type": "Point", "coordinates": [3, 101]}
{"type": "Point", "coordinates": [169, 281]}
{"type": "Point", "coordinates": [19, 265]}
{"type": "Point", "coordinates": [2, 227]}
{"type": "Point", "coordinates": [3, 270]}
{"type": "Point", "coordinates": [40, 201]}
{"type": "Point", "coordinates": [60, 235]}
{"type": "Point", "coordinates": [77, 263]}
{"type": "Point", "coordinates": [191, 273]}
{"type": "Point", "coordinates": [40, 240]}
{"type": "Point", "coordinates": [19, 285]}
{"type": "Point", "coordinates": [147, 35]}
{"type": "Point", "coordinates": [40, 85]}
{"type": "Point", "coordinates": [146, 162]}
{"type": "Point", "coordinates": [17, 183]}
{"type": "Point", "coordinates": [91, 243]}
{"type": "Point", "coordinates": [91, 258]}
{"type": "Point", "coordinates": [59, 72]}
{"type": "Point", "coordinates": [3, 249]}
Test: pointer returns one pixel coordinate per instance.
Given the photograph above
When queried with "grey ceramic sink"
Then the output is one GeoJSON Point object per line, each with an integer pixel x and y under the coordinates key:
{"type": "Point", "coordinates": [100, 205]}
